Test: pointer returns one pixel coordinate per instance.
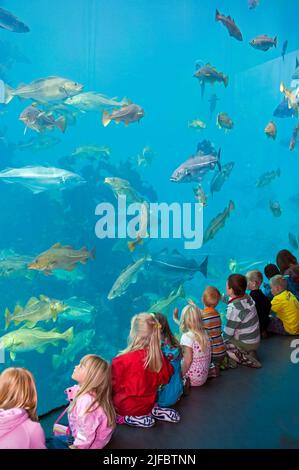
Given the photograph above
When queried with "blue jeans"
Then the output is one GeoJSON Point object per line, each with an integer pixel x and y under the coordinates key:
{"type": "Point", "coordinates": [59, 442]}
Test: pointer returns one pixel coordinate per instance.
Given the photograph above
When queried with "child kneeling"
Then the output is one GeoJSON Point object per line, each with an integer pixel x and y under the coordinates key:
{"type": "Point", "coordinates": [138, 373]}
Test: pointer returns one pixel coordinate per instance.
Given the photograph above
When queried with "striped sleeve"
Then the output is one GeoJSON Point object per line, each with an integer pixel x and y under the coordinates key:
{"type": "Point", "coordinates": [232, 323]}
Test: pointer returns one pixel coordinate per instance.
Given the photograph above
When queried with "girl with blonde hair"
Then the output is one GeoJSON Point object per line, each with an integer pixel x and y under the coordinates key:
{"type": "Point", "coordinates": [196, 346]}
{"type": "Point", "coordinates": [91, 414]}
{"type": "Point", "coordinates": [19, 427]}
{"type": "Point", "coordinates": [137, 374]}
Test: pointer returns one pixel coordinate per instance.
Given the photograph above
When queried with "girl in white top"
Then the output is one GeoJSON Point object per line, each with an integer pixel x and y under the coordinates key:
{"type": "Point", "coordinates": [196, 346]}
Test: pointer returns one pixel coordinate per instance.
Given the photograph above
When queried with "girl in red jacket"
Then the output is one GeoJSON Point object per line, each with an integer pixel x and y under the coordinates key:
{"type": "Point", "coordinates": [137, 374]}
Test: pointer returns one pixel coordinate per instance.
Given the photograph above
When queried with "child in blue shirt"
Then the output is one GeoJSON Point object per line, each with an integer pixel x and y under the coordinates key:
{"type": "Point", "coordinates": [172, 392]}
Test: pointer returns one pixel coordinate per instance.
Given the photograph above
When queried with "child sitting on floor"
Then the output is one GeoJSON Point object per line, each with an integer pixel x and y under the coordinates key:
{"type": "Point", "coordinates": [285, 306]}
{"type": "Point", "coordinates": [19, 426]}
{"type": "Point", "coordinates": [91, 415]}
{"type": "Point", "coordinates": [212, 323]}
{"type": "Point", "coordinates": [171, 392]}
{"type": "Point", "coordinates": [138, 373]}
{"type": "Point", "coordinates": [270, 270]}
{"type": "Point", "coordinates": [242, 330]}
{"type": "Point", "coordinates": [196, 346]}
{"type": "Point", "coordinates": [262, 303]}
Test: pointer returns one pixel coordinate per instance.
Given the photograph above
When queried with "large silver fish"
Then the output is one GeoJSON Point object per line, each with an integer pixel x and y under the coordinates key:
{"type": "Point", "coordinates": [40, 178]}
{"type": "Point", "coordinates": [195, 168]}
{"type": "Point", "coordinates": [91, 101]}
{"type": "Point", "coordinates": [44, 90]}
{"type": "Point", "coordinates": [12, 23]}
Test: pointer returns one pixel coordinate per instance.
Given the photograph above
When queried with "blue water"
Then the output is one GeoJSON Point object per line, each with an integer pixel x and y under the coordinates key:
{"type": "Point", "coordinates": [146, 51]}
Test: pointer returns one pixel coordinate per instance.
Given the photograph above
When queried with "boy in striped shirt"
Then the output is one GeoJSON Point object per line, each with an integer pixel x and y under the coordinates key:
{"type": "Point", "coordinates": [212, 323]}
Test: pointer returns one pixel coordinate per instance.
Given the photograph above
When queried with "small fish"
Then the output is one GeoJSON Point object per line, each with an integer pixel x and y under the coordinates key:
{"type": "Point", "coordinates": [127, 277]}
{"type": "Point", "coordinates": [33, 339]}
{"type": "Point", "coordinates": [128, 113]}
{"type": "Point", "coordinates": [200, 195]}
{"type": "Point", "coordinates": [275, 208]}
{"type": "Point", "coordinates": [61, 257]}
{"type": "Point", "coordinates": [263, 42]}
{"type": "Point", "coordinates": [253, 4]}
{"type": "Point", "coordinates": [41, 142]}
{"type": "Point", "coordinates": [293, 140]}
{"type": "Point", "coordinates": [230, 24]}
{"type": "Point", "coordinates": [145, 158]}
{"type": "Point", "coordinates": [213, 101]}
{"type": "Point", "coordinates": [218, 222]}
{"type": "Point", "coordinates": [121, 187]}
{"type": "Point", "coordinates": [267, 178]}
{"type": "Point", "coordinates": [284, 49]}
{"type": "Point", "coordinates": [291, 97]}
{"type": "Point", "coordinates": [197, 124]}
{"type": "Point", "coordinates": [220, 177]}
{"type": "Point", "coordinates": [271, 130]}
{"type": "Point", "coordinates": [11, 23]}
{"type": "Point", "coordinates": [224, 121]}
{"type": "Point", "coordinates": [40, 121]}
{"type": "Point", "coordinates": [293, 241]}
{"type": "Point", "coordinates": [92, 152]}
{"type": "Point", "coordinates": [209, 74]}
{"type": "Point", "coordinates": [162, 305]}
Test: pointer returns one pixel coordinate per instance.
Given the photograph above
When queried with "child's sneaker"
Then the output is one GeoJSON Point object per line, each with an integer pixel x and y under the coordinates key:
{"type": "Point", "coordinates": [166, 414]}
{"type": "Point", "coordinates": [214, 371]}
{"type": "Point", "coordinates": [146, 421]}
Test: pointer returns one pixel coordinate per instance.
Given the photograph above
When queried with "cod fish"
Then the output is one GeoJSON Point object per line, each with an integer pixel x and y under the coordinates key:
{"type": "Point", "coordinates": [78, 310]}
{"type": "Point", "coordinates": [163, 304]}
{"type": "Point", "coordinates": [218, 222]}
{"type": "Point", "coordinates": [41, 142]}
{"type": "Point", "coordinates": [175, 265]}
{"type": "Point", "coordinates": [209, 74]}
{"type": "Point", "coordinates": [39, 178]}
{"type": "Point", "coordinates": [121, 187]}
{"type": "Point", "coordinates": [13, 265]}
{"type": "Point", "coordinates": [275, 208]}
{"type": "Point", "coordinates": [36, 309]}
{"type": "Point", "coordinates": [33, 339]}
{"type": "Point", "coordinates": [195, 168]}
{"type": "Point", "coordinates": [41, 121]}
{"type": "Point", "coordinates": [11, 23]}
{"type": "Point", "coordinates": [127, 277]}
{"type": "Point", "coordinates": [271, 130]}
{"type": "Point", "coordinates": [128, 113]}
{"type": "Point", "coordinates": [291, 97]}
{"type": "Point", "coordinates": [61, 257]}
{"type": "Point", "coordinates": [263, 42]}
{"type": "Point", "coordinates": [92, 101]}
{"type": "Point", "coordinates": [44, 90]}
{"type": "Point", "coordinates": [92, 152]}
{"type": "Point", "coordinates": [197, 124]}
{"type": "Point", "coordinates": [224, 122]}
{"type": "Point", "coordinates": [220, 177]}
{"type": "Point", "coordinates": [200, 195]}
{"type": "Point", "coordinates": [267, 178]}
{"type": "Point", "coordinates": [230, 24]}
{"type": "Point", "coordinates": [81, 341]}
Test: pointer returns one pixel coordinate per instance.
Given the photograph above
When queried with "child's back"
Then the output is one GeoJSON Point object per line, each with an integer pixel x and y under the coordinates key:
{"type": "Point", "coordinates": [199, 369]}
{"type": "Point", "coordinates": [18, 431]}
{"type": "Point", "coordinates": [286, 307]}
{"type": "Point", "coordinates": [170, 393]}
{"type": "Point", "coordinates": [263, 307]}
{"type": "Point", "coordinates": [212, 323]}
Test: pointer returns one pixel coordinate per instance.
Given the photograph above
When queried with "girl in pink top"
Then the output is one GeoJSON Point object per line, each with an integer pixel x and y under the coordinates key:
{"type": "Point", "coordinates": [19, 427]}
{"type": "Point", "coordinates": [91, 414]}
{"type": "Point", "coordinates": [196, 346]}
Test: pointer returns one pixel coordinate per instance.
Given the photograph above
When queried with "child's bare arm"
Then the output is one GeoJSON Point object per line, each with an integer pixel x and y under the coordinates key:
{"type": "Point", "coordinates": [187, 359]}
{"type": "Point", "coordinates": [176, 315]}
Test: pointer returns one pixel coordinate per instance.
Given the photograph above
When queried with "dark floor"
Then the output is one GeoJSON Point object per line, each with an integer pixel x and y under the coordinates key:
{"type": "Point", "coordinates": [244, 408]}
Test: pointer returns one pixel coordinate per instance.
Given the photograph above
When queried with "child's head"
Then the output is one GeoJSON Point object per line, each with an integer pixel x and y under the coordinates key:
{"type": "Point", "coordinates": [284, 260]}
{"type": "Point", "coordinates": [278, 284]}
{"type": "Point", "coordinates": [271, 270]}
{"type": "Point", "coordinates": [18, 390]}
{"type": "Point", "coordinates": [146, 334]}
{"type": "Point", "coordinates": [254, 279]}
{"type": "Point", "coordinates": [236, 285]}
{"type": "Point", "coordinates": [166, 332]}
{"type": "Point", "coordinates": [94, 376]}
{"type": "Point", "coordinates": [211, 297]}
{"type": "Point", "coordinates": [191, 322]}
